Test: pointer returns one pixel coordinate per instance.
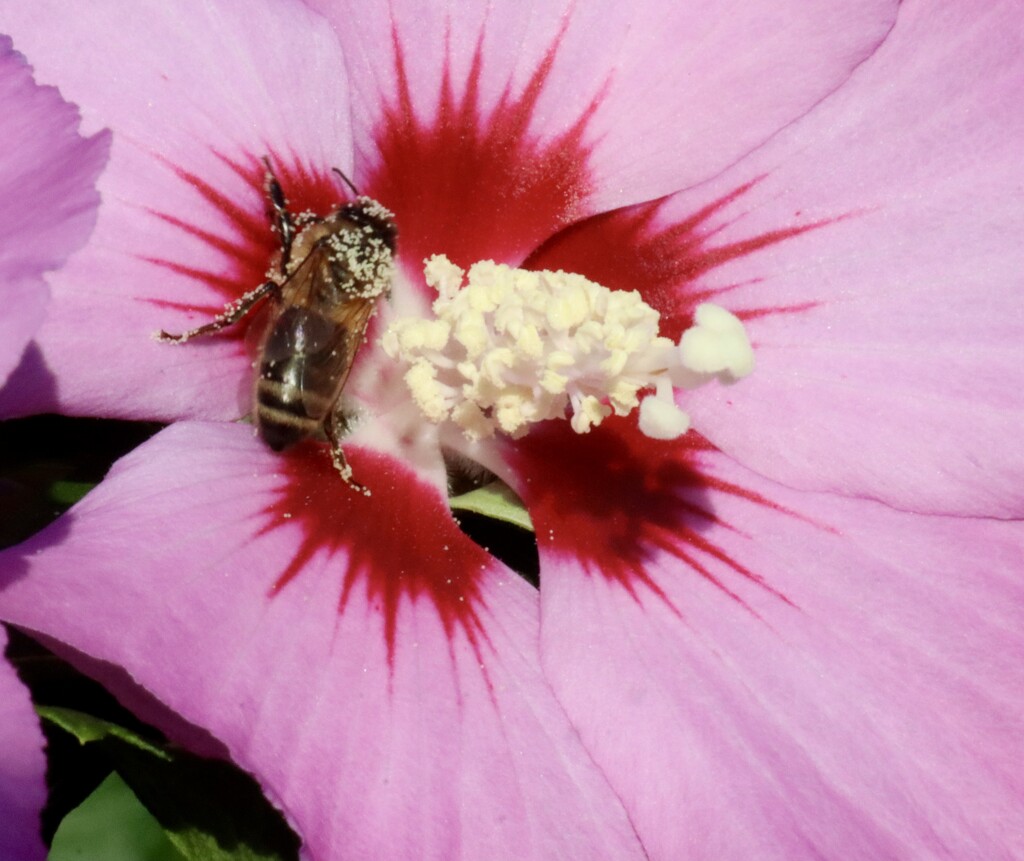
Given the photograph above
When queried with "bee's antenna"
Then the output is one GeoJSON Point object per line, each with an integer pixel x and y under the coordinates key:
{"type": "Point", "coordinates": [348, 182]}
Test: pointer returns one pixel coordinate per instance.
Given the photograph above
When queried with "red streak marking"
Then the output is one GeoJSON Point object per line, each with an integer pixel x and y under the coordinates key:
{"type": "Point", "coordinates": [615, 500]}
{"type": "Point", "coordinates": [401, 541]}
{"type": "Point", "coordinates": [241, 233]}
{"type": "Point", "coordinates": [476, 186]}
{"type": "Point", "coordinates": [625, 250]}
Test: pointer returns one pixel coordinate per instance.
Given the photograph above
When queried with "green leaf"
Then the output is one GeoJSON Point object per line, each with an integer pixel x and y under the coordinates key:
{"type": "Point", "coordinates": [495, 500]}
{"type": "Point", "coordinates": [111, 825]}
{"type": "Point", "coordinates": [69, 492]}
{"type": "Point", "coordinates": [87, 728]}
{"type": "Point", "coordinates": [208, 809]}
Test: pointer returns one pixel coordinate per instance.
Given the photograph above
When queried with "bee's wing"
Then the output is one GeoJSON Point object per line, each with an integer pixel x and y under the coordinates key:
{"type": "Point", "coordinates": [351, 319]}
{"type": "Point", "coordinates": [311, 281]}
{"type": "Point", "coordinates": [317, 332]}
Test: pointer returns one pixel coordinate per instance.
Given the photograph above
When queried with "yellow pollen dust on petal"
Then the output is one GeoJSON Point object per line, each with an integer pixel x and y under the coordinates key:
{"type": "Point", "coordinates": [510, 347]}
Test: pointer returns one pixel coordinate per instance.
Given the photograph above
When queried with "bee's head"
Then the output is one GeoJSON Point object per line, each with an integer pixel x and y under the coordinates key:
{"type": "Point", "coordinates": [367, 211]}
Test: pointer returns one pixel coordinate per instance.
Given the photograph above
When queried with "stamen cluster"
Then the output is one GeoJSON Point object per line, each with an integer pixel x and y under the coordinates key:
{"type": "Point", "coordinates": [513, 347]}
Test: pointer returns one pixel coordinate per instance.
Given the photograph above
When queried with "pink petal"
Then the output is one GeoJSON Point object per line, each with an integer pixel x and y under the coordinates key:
{"type": "Point", "coordinates": [372, 667]}
{"type": "Point", "coordinates": [195, 95]}
{"type": "Point", "coordinates": [875, 251]}
{"type": "Point", "coordinates": [47, 198]}
{"type": "Point", "coordinates": [773, 674]}
{"type": "Point", "coordinates": [24, 307]}
{"type": "Point", "coordinates": [22, 769]}
{"type": "Point", "coordinates": [646, 98]}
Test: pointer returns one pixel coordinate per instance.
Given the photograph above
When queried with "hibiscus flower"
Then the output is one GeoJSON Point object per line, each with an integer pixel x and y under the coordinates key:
{"type": "Point", "coordinates": [790, 633]}
{"type": "Point", "coordinates": [42, 151]}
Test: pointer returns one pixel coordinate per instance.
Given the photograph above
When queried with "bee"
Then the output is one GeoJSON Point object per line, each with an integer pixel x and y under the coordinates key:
{"type": "Point", "coordinates": [323, 287]}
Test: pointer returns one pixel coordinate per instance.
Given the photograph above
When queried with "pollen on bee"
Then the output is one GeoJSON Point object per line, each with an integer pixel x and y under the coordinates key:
{"type": "Point", "coordinates": [368, 261]}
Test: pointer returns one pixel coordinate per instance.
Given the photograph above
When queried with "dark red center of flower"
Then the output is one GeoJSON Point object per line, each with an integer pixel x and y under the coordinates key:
{"type": "Point", "coordinates": [399, 545]}
{"type": "Point", "coordinates": [477, 186]}
{"type": "Point", "coordinates": [474, 184]}
{"type": "Point", "coordinates": [615, 500]}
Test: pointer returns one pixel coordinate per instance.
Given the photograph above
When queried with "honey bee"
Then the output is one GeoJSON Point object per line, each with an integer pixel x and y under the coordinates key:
{"type": "Point", "coordinates": [323, 287]}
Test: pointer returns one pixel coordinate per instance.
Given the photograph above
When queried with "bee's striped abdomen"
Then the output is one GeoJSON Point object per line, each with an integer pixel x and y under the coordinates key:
{"type": "Point", "coordinates": [298, 382]}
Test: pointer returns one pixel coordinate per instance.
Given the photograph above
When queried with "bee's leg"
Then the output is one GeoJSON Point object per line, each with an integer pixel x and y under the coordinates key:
{"type": "Point", "coordinates": [283, 223]}
{"type": "Point", "coordinates": [231, 314]}
{"type": "Point", "coordinates": [334, 428]}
